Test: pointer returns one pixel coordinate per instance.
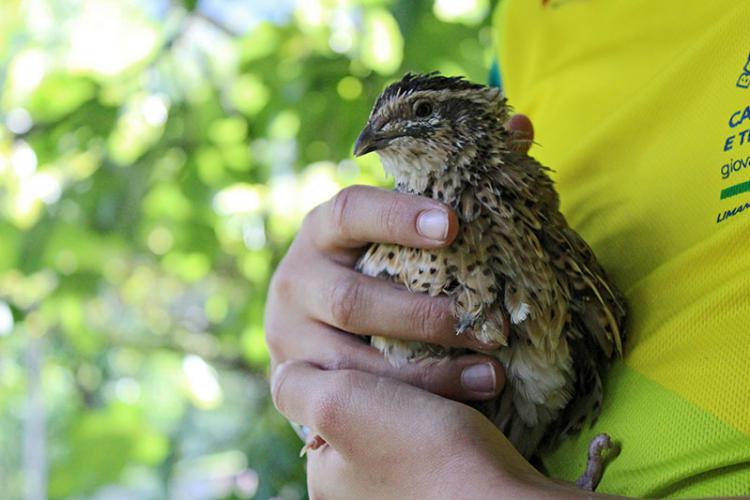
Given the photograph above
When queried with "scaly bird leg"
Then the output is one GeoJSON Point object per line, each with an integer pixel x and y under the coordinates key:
{"type": "Point", "coordinates": [589, 480]}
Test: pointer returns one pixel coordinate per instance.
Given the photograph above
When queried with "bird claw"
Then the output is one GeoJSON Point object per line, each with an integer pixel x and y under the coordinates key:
{"type": "Point", "coordinates": [589, 480]}
{"type": "Point", "coordinates": [465, 323]}
{"type": "Point", "coordinates": [315, 443]}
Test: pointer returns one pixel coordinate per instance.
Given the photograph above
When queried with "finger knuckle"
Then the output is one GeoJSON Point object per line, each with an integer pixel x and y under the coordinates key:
{"type": "Point", "coordinates": [312, 215]}
{"type": "Point", "coordinates": [280, 293]}
{"type": "Point", "coordinates": [391, 216]}
{"type": "Point", "coordinates": [316, 230]}
{"type": "Point", "coordinates": [434, 377]}
{"type": "Point", "coordinates": [335, 363]}
{"type": "Point", "coordinates": [344, 300]}
{"type": "Point", "coordinates": [341, 209]}
{"type": "Point", "coordinates": [283, 283]}
{"type": "Point", "coordinates": [278, 385]}
{"type": "Point", "coordinates": [427, 315]}
{"type": "Point", "coordinates": [311, 219]}
{"type": "Point", "coordinates": [426, 378]}
{"type": "Point", "coordinates": [350, 354]}
{"type": "Point", "coordinates": [273, 335]}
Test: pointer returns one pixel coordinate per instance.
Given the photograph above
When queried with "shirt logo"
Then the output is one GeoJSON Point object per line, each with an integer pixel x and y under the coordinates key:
{"type": "Point", "coordinates": [743, 81]}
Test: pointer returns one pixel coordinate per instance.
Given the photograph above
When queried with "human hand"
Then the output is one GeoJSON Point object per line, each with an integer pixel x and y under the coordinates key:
{"type": "Point", "coordinates": [521, 132]}
{"type": "Point", "coordinates": [387, 439]}
{"type": "Point", "coordinates": [316, 297]}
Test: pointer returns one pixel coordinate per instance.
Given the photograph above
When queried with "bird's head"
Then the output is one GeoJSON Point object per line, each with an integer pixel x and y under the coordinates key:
{"type": "Point", "coordinates": [422, 124]}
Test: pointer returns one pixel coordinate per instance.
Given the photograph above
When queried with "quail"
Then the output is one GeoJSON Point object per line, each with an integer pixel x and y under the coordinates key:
{"type": "Point", "coordinates": [518, 275]}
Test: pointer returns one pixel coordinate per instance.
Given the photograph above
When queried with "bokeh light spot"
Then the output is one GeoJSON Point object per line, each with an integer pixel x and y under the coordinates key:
{"type": "Point", "coordinates": [6, 319]}
{"type": "Point", "coordinates": [349, 88]}
{"type": "Point", "coordinates": [19, 121]}
{"type": "Point", "coordinates": [202, 384]}
{"type": "Point", "coordinates": [469, 12]}
{"type": "Point", "coordinates": [237, 198]}
{"type": "Point", "coordinates": [285, 125]}
{"type": "Point", "coordinates": [160, 240]}
{"type": "Point", "coordinates": [383, 45]}
{"type": "Point", "coordinates": [248, 94]}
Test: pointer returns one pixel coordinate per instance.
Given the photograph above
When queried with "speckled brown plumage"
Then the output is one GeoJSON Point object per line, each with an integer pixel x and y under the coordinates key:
{"type": "Point", "coordinates": [517, 273]}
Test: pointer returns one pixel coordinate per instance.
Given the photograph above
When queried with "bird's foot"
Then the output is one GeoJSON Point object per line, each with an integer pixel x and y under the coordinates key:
{"type": "Point", "coordinates": [465, 322]}
{"type": "Point", "coordinates": [600, 449]}
{"type": "Point", "coordinates": [491, 329]}
{"type": "Point", "coordinates": [315, 442]}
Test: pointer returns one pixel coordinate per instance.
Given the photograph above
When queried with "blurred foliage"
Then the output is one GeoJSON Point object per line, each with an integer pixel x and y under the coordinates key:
{"type": "Point", "coordinates": [156, 158]}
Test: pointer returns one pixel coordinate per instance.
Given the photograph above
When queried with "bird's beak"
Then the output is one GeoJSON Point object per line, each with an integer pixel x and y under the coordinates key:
{"type": "Point", "coordinates": [371, 140]}
{"type": "Point", "coordinates": [366, 142]}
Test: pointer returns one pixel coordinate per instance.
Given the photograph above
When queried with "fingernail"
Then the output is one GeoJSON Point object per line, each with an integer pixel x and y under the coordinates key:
{"type": "Point", "coordinates": [433, 224]}
{"type": "Point", "coordinates": [479, 378]}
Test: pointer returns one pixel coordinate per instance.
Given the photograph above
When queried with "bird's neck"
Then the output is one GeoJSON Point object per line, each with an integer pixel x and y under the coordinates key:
{"type": "Point", "coordinates": [441, 175]}
{"type": "Point", "coordinates": [414, 172]}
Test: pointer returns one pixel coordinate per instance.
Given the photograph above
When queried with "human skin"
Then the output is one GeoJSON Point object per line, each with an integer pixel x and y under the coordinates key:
{"type": "Point", "coordinates": [390, 431]}
{"type": "Point", "coordinates": [315, 294]}
{"type": "Point", "coordinates": [388, 439]}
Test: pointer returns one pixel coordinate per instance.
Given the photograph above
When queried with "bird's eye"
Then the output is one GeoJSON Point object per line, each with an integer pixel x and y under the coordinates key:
{"type": "Point", "coordinates": [423, 109]}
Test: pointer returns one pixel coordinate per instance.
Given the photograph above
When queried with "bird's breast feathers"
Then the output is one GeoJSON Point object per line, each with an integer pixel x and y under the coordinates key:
{"type": "Point", "coordinates": [517, 274]}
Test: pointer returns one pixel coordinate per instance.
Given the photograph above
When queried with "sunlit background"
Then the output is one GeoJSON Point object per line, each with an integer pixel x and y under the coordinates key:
{"type": "Point", "coordinates": [156, 158]}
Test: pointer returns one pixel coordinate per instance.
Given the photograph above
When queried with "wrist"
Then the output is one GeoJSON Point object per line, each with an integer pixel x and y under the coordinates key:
{"type": "Point", "coordinates": [508, 475]}
{"type": "Point", "coordinates": [474, 474]}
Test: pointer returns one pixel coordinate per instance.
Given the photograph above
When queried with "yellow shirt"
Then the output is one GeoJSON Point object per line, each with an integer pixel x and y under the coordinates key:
{"type": "Point", "coordinates": [642, 108]}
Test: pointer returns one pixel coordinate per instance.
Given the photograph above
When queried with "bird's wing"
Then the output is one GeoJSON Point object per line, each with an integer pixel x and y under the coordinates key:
{"type": "Point", "coordinates": [594, 302]}
{"type": "Point", "coordinates": [513, 222]}
{"type": "Point", "coordinates": [593, 314]}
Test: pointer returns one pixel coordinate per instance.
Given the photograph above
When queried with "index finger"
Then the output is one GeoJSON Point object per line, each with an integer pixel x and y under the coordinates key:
{"type": "Point", "coordinates": [359, 215]}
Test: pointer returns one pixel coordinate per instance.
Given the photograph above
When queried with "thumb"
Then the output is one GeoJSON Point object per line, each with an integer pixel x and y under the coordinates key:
{"type": "Point", "coordinates": [521, 131]}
